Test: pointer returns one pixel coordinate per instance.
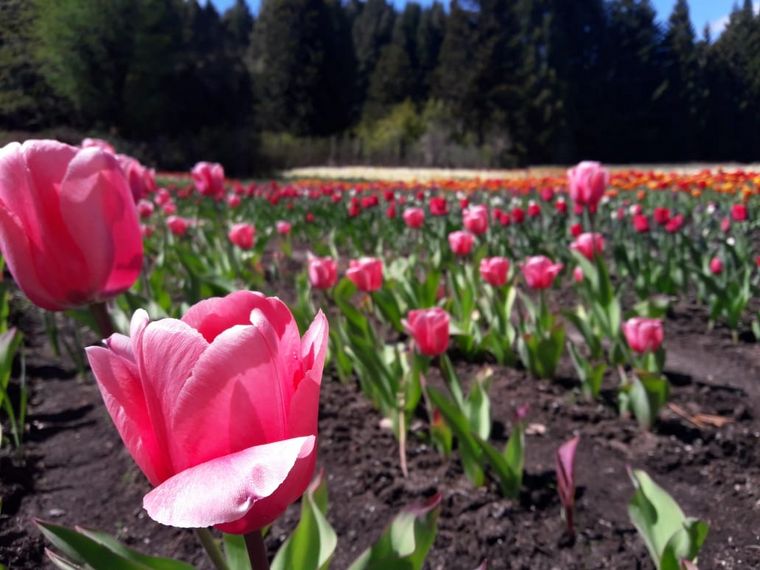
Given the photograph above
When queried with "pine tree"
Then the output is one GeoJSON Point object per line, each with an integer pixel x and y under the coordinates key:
{"type": "Point", "coordinates": [453, 74]}
{"type": "Point", "coordinates": [371, 31]}
{"type": "Point", "coordinates": [430, 34]}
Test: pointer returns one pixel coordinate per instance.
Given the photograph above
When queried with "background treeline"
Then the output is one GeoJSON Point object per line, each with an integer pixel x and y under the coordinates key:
{"type": "Point", "coordinates": [482, 83]}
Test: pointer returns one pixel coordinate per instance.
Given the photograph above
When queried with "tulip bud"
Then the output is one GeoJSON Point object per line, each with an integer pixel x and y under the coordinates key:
{"type": "Point", "coordinates": [461, 242]}
{"type": "Point", "coordinates": [494, 270]}
{"type": "Point", "coordinates": [539, 272]}
{"type": "Point", "coordinates": [323, 272]}
{"type": "Point", "coordinates": [430, 330]}
{"type": "Point", "coordinates": [366, 273]}
{"type": "Point", "coordinates": [643, 334]}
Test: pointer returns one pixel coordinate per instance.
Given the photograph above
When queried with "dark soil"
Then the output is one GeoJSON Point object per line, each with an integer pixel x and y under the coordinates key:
{"type": "Point", "coordinates": [74, 470]}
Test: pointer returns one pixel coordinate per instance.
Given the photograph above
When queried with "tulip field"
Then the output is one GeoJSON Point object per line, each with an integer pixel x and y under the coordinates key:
{"type": "Point", "coordinates": [535, 372]}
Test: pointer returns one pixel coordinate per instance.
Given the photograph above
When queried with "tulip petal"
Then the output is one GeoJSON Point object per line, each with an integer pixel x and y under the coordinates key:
{"type": "Point", "coordinates": [241, 381]}
{"type": "Point", "coordinates": [166, 352]}
{"type": "Point", "coordinates": [314, 345]}
{"type": "Point", "coordinates": [123, 395]}
{"type": "Point", "coordinates": [225, 489]}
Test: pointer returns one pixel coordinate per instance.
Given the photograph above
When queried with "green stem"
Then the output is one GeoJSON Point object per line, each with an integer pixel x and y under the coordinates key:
{"type": "Point", "coordinates": [257, 551]}
{"type": "Point", "coordinates": [102, 319]}
{"type": "Point", "coordinates": [212, 548]}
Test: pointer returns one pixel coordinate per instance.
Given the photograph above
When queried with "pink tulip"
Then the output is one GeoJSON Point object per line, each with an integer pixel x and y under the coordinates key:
{"type": "Point", "coordinates": [438, 206]}
{"type": "Point", "coordinates": [283, 227]}
{"type": "Point", "coordinates": [233, 201]}
{"type": "Point", "coordinates": [534, 210]}
{"type": "Point", "coordinates": [323, 272]}
{"type": "Point", "coordinates": [739, 212]}
{"type": "Point", "coordinates": [69, 230]}
{"type": "Point", "coordinates": [366, 273]}
{"type": "Point", "coordinates": [98, 143]}
{"type": "Point", "coordinates": [640, 223]}
{"type": "Point", "coordinates": [209, 179]}
{"type": "Point", "coordinates": [643, 334]}
{"type": "Point", "coordinates": [587, 183]}
{"type": "Point", "coordinates": [414, 217]}
{"type": "Point", "coordinates": [145, 208]}
{"type": "Point", "coordinates": [461, 242]}
{"type": "Point", "coordinates": [430, 330]}
{"type": "Point", "coordinates": [674, 224]}
{"type": "Point", "coordinates": [576, 229]}
{"type": "Point", "coordinates": [178, 225]}
{"type": "Point", "coordinates": [475, 219]}
{"type": "Point", "coordinates": [141, 180]}
{"type": "Point", "coordinates": [242, 235]}
{"type": "Point", "coordinates": [578, 275]}
{"type": "Point", "coordinates": [588, 245]}
{"type": "Point", "coordinates": [716, 266]}
{"type": "Point", "coordinates": [494, 270]}
{"type": "Point", "coordinates": [540, 271]}
{"type": "Point", "coordinates": [561, 206]}
{"type": "Point", "coordinates": [565, 464]}
{"type": "Point", "coordinates": [661, 216]}
{"type": "Point", "coordinates": [146, 231]}
{"type": "Point", "coordinates": [219, 409]}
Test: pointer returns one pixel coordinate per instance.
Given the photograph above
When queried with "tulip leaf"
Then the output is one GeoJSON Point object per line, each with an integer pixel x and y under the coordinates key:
{"type": "Point", "coordinates": [405, 542]}
{"type": "Point", "coordinates": [235, 552]}
{"type": "Point", "coordinates": [669, 536]}
{"type": "Point", "coordinates": [99, 551]}
{"type": "Point", "coordinates": [645, 396]}
{"type": "Point", "coordinates": [313, 542]}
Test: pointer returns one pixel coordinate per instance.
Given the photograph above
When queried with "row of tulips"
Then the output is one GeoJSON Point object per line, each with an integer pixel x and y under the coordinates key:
{"type": "Point", "coordinates": [217, 399]}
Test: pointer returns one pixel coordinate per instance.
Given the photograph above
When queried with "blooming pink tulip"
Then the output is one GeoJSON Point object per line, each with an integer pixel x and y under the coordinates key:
{"type": "Point", "coordinates": [716, 266]}
{"type": "Point", "coordinates": [494, 270]}
{"type": "Point", "coordinates": [145, 208]}
{"type": "Point", "coordinates": [219, 409]}
{"type": "Point", "coordinates": [643, 334]}
{"type": "Point", "coordinates": [178, 225]}
{"type": "Point", "coordinates": [366, 273]}
{"type": "Point", "coordinates": [233, 201]}
{"type": "Point", "coordinates": [587, 183]}
{"type": "Point", "coordinates": [475, 219]}
{"type": "Point", "coordinates": [141, 180]}
{"type": "Point", "coordinates": [578, 275]}
{"type": "Point", "coordinates": [209, 179]}
{"type": "Point", "coordinates": [430, 330]}
{"type": "Point", "coordinates": [588, 244]}
{"type": "Point", "coordinates": [414, 217]}
{"type": "Point", "coordinates": [323, 272]}
{"type": "Point", "coordinates": [461, 242]}
{"type": "Point", "coordinates": [438, 206]}
{"type": "Point", "coordinates": [283, 227]}
{"type": "Point", "coordinates": [640, 223]}
{"type": "Point", "coordinates": [69, 229]}
{"type": "Point", "coordinates": [540, 271]}
{"type": "Point", "coordinates": [739, 212]}
{"type": "Point", "coordinates": [242, 235]}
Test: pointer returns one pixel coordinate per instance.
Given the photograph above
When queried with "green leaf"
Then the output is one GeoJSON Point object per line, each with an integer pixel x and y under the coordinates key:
{"type": "Point", "coordinates": [313, 542]}
{"type": "Point", "coordinates": [100, 552]}
{"type": "Point", "coordinates": [658, 519]}
{"type": "Point", "coordinates": [647, 394]}
{"type": "Point", "coordinates": [235, 552]}
{"type": "Point", "coordinates": [405, 542]}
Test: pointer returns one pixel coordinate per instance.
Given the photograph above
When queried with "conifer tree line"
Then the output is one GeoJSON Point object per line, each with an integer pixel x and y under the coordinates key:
{"type": "Point", "coordinates": [473, 83]}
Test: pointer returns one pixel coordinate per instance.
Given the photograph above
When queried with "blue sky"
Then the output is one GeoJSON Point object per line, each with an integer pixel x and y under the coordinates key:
{"type": "Point", "coordinates": [713, 12]}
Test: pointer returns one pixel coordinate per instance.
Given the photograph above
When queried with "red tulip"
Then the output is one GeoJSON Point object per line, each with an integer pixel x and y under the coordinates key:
{"type": "Point", "coordinates": [323, 272]}
{"type": "Point", "coordinates": [588, 244]}
{"type": "Point", "coordinates": [366, 273]}
{"type": "Point", "coordinates": [674, 224]}
{"type": "Point", "coordinates": [534, 210]}
{"type": "Point", "coordinates": [464, 202]}
{"type": "Point", "coordinates": [587, 183]}
{"type": "Point", "coordinates": [163, 196]}
{"type": "Point", "coordinates": [461, 242]}
{"type": "Point", "coordinates": [414, 217]}
{"type": "Point", "coordinates": [438, 206]}
{"type": "Point", "coordinates": [242, 235]}
{"type": "Point", "coordinates": [540, 271]}
{"type": "Point", "coordinates": [475, 219]}
{"type": "Point", "coordinates": [430, 330]}
{"type": "Point", "coordinates": [643, 334]}
{"type": "Point", "coordinates": [725, 225]}
{"type": "Point", "coordinates": [169, 208]}
{"type": "Point", "coordinates": [219, 409]}
{"type": "Point", "coordinates": [146, 231]}
{"type": "Point", "coordinates": [661, 216]}
{"type": "Point", "coordinates": [494, 270]}
{"type": "Point", "coordinates": [561, 206]}
{"type": "Point", "coordinates": [547, 194]}
{"type": "Point", "coordinates": [283, 227]}
{"type": "Point", "coordinates": [69, 229]}
{"type": "Point", "coordinates": [716, 266]}
{"type": "Point", "coordinates": [505, 219]}
{"type": "Point", "coordinates": [518, 215]}
{"type": "Point", "coordinates": [565, 464]}
{"type": "Point", "coordinates": [576, 229]}
{"type": "Point", "coordinates": [309, 217]}
{"type": "Point", "coordinates": [209, 179]}
{"type": "Point", "coordinates": [640, 223]}
{"type": "Point", "coordinates": [178, 225]}
{"type": "Point", "coordinates": [390, 212]}
{"type": "Point", "coordinates": [739, 212]}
